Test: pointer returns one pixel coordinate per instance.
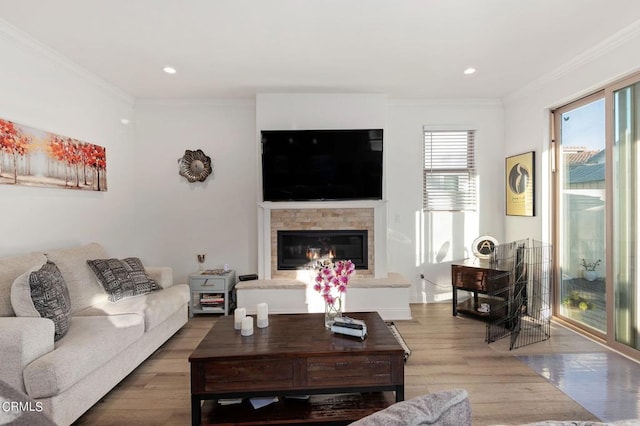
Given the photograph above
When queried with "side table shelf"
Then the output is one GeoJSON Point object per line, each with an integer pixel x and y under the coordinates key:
{"type": "Point", "coordinates": [211, 293]}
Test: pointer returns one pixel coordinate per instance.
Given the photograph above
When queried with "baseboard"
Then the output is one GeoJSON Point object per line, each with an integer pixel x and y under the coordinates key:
{"type": "Point", "coordinates": [399, 314]}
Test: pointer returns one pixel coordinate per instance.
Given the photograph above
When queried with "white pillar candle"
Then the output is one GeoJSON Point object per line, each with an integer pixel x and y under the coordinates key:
{"type": "Point", "coordinates": [247, 326]}
{"type": "Point", "coordinates": [238, 316]}
{"type": "Point", "coordinates": [262, 320]}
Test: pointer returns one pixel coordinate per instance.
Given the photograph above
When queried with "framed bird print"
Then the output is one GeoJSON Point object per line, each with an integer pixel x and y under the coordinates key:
{"type": "Point", "coordinates": [520, 181]}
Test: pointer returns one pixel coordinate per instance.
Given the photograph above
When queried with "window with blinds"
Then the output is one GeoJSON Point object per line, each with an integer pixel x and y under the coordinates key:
{"type": "Point", "coordinates": [449, 175]}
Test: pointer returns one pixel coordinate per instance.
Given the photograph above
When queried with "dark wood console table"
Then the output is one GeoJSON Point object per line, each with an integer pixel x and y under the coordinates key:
{"type": "Point", "coordinates": [488, 285]}
{"type": "Point", "coordinates": [344, 377]}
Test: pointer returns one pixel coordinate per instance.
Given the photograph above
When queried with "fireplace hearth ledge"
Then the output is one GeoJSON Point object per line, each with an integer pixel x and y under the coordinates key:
{"type": "Point", "coordinates": [388, 296]}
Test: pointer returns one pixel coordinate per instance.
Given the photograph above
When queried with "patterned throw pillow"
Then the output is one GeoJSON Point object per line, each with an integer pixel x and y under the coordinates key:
{"type": "Point", "coordinates": [50, 297]}
{"type": "Point", "coordinates": [123, 278]}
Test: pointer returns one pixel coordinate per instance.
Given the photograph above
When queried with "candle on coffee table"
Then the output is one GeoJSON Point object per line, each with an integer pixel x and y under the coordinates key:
{"type": "Point", "coordinates": [247, 326]}
{"type": "Point", "coordinates": [238, 316]}
{"type": "Point", "coordinates": [262, 320]}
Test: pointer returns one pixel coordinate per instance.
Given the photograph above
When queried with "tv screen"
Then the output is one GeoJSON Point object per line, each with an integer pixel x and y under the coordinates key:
{"type": "Point", "coordinates": [306, 165]}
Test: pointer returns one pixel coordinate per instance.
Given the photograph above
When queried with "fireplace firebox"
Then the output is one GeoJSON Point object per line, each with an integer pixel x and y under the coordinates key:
{"type": "Point", "coordinates": [300, 249]}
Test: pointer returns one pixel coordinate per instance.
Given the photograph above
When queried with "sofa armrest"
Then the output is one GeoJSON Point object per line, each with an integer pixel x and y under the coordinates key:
{"type": "Point", "coordinates": [162, 274]}
{"type": "Point", "coordinates": [23, 340]}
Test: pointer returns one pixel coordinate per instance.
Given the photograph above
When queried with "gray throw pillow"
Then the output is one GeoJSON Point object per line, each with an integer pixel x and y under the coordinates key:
{"type": "Point", "coordinates": [50, 297]}
{"type": "Point", "coordinates": [123, 278]}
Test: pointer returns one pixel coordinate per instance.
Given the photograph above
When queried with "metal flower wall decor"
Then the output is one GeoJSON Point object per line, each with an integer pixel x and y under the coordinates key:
{"type": "Point", "coordinates": [195, 165]}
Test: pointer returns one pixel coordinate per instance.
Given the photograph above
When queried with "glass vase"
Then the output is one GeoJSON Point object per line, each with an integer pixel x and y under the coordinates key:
{"type": "Point", "coordinates": [331, 311]}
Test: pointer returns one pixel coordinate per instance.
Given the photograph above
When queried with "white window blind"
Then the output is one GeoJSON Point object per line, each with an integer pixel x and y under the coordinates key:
{"type": "Point", "coordinates": [449, 175]}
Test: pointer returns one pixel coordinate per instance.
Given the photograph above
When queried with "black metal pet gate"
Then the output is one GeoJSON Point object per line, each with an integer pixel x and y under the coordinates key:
{"type": "Point", "coordinates": [525, 295]}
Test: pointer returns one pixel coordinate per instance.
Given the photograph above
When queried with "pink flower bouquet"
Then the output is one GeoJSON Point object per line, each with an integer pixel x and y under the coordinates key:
{"type": "Point", "coordinates": [332, 280]}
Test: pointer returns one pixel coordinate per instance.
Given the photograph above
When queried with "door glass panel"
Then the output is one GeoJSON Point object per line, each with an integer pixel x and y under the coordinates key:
{"type": "Point", "coordinates": [581, 215]}
{"type": "Point", "coordinates": [625, 213]}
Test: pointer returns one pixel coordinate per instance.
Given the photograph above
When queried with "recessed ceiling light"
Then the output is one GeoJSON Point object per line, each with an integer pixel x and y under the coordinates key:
{"type": "Point", "coordinates": [169, 70]}
{"type": "Point", "coordinates": [125, 121]}
{"type": "Point", "coordinates": [470, 71]}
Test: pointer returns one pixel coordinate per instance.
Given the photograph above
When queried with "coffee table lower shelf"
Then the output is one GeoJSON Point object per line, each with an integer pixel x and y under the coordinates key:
{"type": "Point", "coordinates": [331, 409]}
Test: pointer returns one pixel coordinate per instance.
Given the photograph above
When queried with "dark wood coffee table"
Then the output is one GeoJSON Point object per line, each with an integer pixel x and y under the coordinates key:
{"type": "Point", "coordinates": [345, 377]}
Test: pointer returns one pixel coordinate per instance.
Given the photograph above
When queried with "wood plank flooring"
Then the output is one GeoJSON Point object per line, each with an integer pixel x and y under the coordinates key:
{"type": "Point", "coordinates": [447, 352]}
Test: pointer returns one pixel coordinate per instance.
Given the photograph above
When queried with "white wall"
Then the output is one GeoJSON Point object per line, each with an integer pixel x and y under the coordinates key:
{"type": "Point", "coordinates": [428, 243]}
{"type": "Point", "coordinates": [176, 219]}
{"type": "Point", "coordinates": [527, 116]}
{"type": "Point", "coordinates": [43, 91]}
{"type": "Point", "coordinates": [320, 111]}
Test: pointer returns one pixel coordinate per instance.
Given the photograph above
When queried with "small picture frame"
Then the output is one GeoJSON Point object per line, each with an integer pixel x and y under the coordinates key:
{"type": "Point", "coordinates": [520, 184]}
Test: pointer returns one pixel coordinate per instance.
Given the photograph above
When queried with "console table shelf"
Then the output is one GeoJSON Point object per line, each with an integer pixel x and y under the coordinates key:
{"type": "Point", "coordinates": [334, 409]}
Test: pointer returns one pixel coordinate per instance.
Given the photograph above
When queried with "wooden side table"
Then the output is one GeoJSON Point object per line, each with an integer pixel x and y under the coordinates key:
{"type": "Point", "coordinates": [211, 292]}
{"type": "Point", "coordinates": [480, 278]}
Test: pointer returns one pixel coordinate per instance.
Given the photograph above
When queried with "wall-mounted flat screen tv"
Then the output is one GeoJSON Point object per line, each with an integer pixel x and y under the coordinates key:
{"type": "Point", "coordinates": [307, 165]}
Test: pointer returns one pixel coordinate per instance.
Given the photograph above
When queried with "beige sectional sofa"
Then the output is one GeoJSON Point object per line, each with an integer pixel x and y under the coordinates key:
{"type": "Point", "coordinates": [104, 342]}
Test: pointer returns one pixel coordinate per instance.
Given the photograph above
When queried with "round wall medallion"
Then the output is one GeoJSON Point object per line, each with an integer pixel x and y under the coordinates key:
{"type": "Point", "coordinates": [484, 246]}
{"type": "Point", "coordinates": [195, 166]}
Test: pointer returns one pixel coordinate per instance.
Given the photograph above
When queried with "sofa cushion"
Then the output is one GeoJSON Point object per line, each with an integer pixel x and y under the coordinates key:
{"type": "Point", "coordinates": [154, 307]}
{"type": "Point", "coordinates": [84, 289]}
{"type": "Point", "coordinates": [451, 407]}
{"type": "Point", "coordinates": [123, 278]}
{"type": "Point", "coordinates": [10, 269]}
{"type": "Point", "coordinates": [43, 292]}
{"type": "Point", "coordinates": [90, 343]}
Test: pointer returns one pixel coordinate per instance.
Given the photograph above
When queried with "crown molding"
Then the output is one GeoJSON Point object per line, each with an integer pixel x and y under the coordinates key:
{"type": "Point", "coordinates": [609, 44]}
{"type": "Point", "coordinates": [13, 34]}
{"type": "Point", "coordinates": [226, 102]}
{"type": "Point", "coordinates": [475, 102]}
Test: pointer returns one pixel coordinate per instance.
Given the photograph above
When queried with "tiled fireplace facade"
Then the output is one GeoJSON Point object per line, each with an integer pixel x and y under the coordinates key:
{"type": "Point", "coordinates": [321, 219]}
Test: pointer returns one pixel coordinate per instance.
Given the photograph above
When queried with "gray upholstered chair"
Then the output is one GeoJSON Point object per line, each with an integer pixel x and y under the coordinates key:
{"type": "Point", "coordinates": [445, 408]}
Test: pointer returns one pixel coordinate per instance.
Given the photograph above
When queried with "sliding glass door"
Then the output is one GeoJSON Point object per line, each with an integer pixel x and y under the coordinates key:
{"type": "Point", "coordinates": [597, 214]}
{"type": "Point", "coordinates": [580, 213]}
{"type": "Point", "coordinates": [626, 211]}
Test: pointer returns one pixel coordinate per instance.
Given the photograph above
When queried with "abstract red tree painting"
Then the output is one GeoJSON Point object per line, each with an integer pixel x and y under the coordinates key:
{"type": "Point", "coordinates": [36, 158]}
{"type": "Point", "coordinates": [14, 145]}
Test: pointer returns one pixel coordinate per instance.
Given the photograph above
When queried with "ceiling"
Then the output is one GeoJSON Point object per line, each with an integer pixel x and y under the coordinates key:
{"type": "Point", "coordinates": [402, 48]}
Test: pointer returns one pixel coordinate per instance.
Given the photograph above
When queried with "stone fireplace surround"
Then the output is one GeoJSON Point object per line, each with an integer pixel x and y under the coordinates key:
{"type": "Point", "coordinates": [321, 220]}
{"type": "Point", "coordinates": [327, 215]}
{"type": "Point", "coordinates": [291, 292]}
